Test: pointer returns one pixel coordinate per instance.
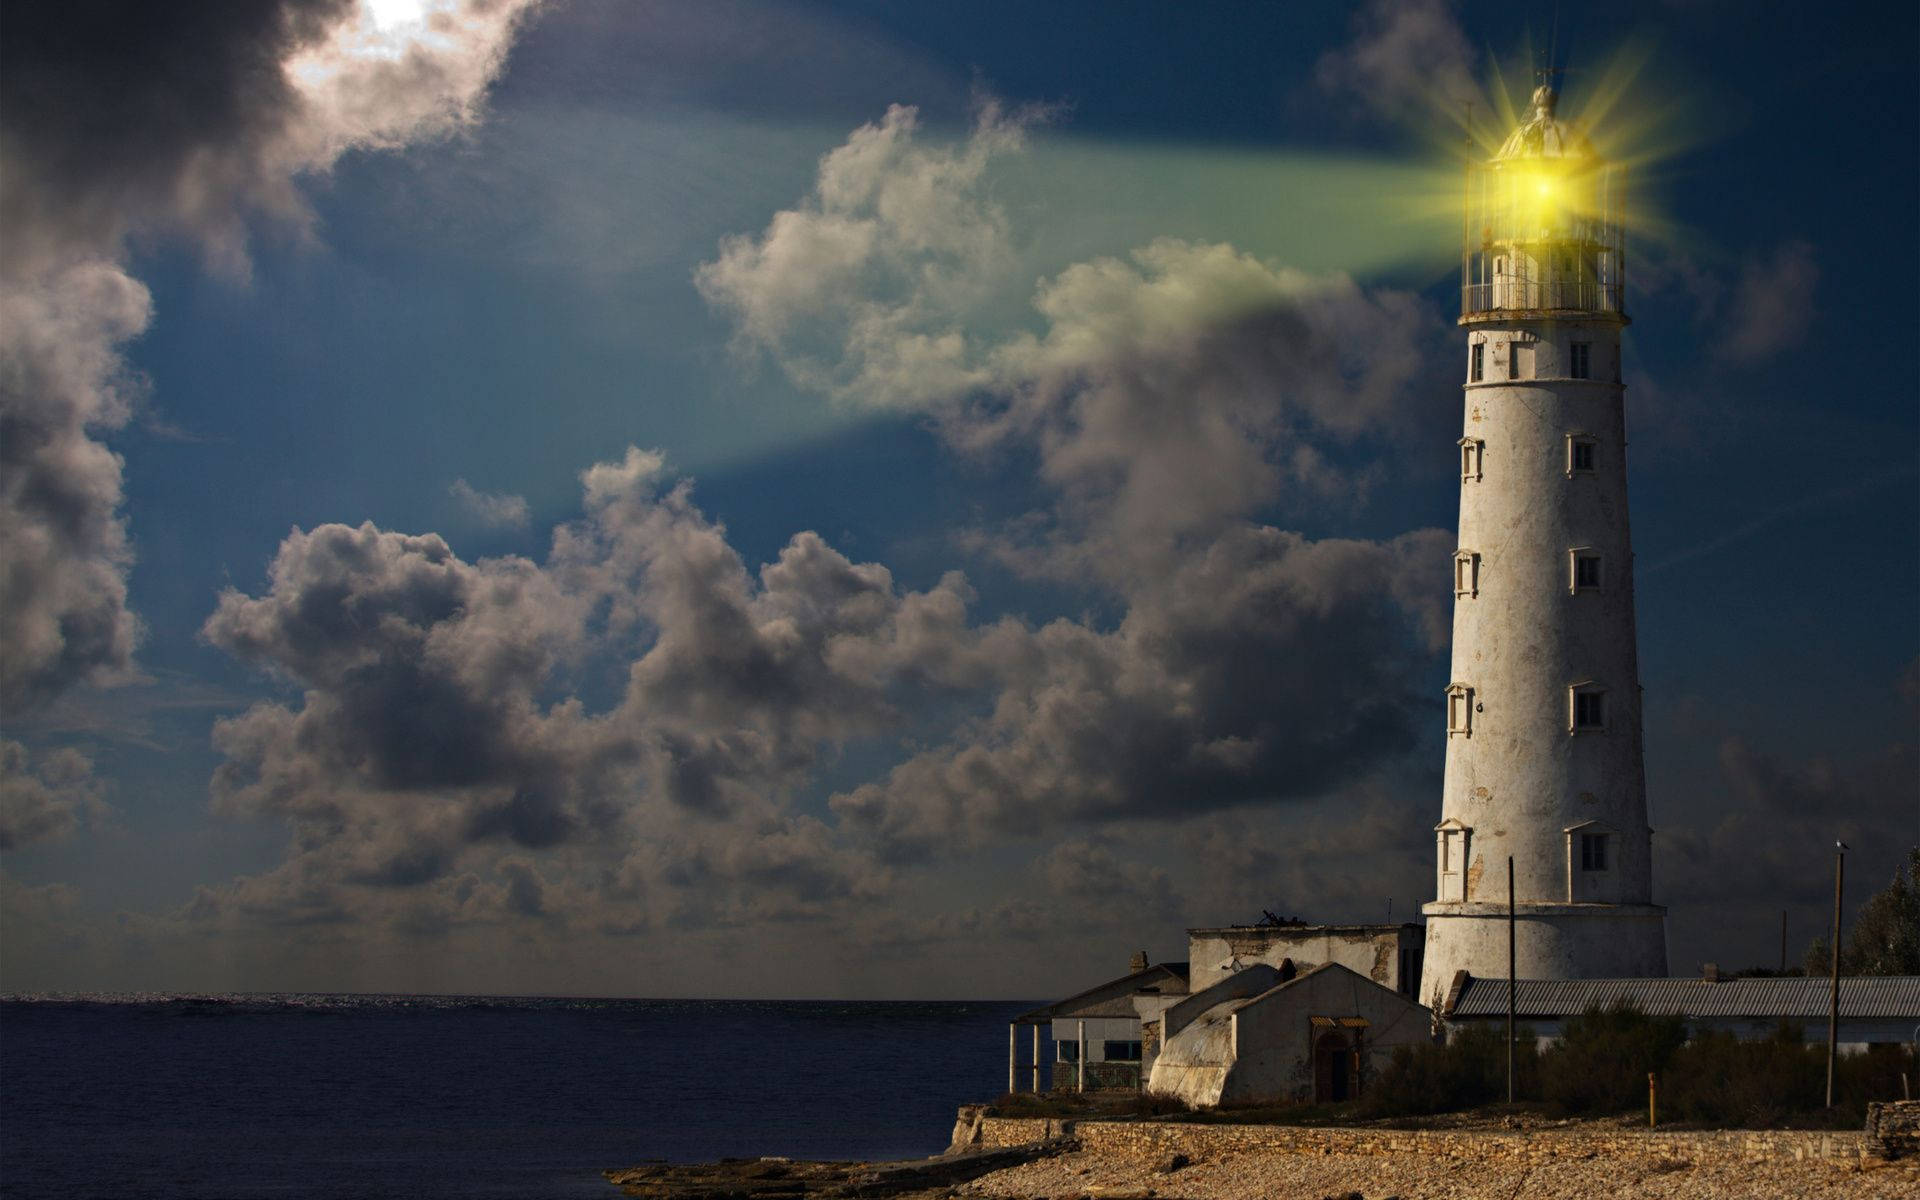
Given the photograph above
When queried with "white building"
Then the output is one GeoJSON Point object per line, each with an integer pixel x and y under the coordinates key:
{"type": "Point", "coordinates": [1543, 714]}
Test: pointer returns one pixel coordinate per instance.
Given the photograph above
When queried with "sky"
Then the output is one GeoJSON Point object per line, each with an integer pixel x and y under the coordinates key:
{"type": "Point", "coordinates": [896, 500]}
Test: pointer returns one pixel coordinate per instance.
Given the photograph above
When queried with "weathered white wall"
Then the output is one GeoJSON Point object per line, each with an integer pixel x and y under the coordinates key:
{"type": "Point", "coordinates": [1274, 1038]}
{"type": "Point", "coordinates": [1234, 1048]}
{"type": "Point", "coordinates": [1520, 778]}
{"type": "Point", "coordinates": [1370, 950]}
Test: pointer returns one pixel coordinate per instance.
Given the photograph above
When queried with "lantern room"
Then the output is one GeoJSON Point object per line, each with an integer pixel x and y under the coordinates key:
{"type": "Point", "coordinates": [1543, 226]}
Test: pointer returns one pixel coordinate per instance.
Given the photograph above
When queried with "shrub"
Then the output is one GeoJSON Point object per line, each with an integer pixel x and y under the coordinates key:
{"type": "Point", "coordinates": [1467, 1071]}
{"type": "Point", "coordinates": [1601, 1062]}
{"type": "Point", "coordinates": [1720, 1080]}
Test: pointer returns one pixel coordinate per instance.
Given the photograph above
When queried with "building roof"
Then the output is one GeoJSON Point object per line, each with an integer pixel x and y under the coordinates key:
{"type": "Point", "coordinates": [1776, 998]}
{"type": "Point", "coordinates": [1544, 135]}
{"type": "Point", "coordinates": [1113, 998]}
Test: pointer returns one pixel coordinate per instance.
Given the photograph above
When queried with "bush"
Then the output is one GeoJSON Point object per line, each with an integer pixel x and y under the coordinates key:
{"type": "Point", "coordinates": [1780, 1080]}
{"type": "Point", "coordinates": [1720, 1080]}
{"type": "Point", "coordinates": [1601, 1062]}
{"type": "Point", "coordinates": [1467, 1071]}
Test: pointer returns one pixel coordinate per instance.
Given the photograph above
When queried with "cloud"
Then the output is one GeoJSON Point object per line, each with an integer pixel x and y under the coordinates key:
{"type": "Point", "coordinates": [1773, 305]}
{"type": "Point", "coordinates": [1269, 669]}
{"type": "Point", "coordinates": [121, 120]}
{"type": "Point", "coordinates": [493, 509]}
{"type": "Point", "coordinates": [860, 292]}
{"type": "Point", "coordinates": [428, 724]}
{"type": "Point", "coordinates": [1407, 57]}
{"type": "Point", "coordinates": [48, 800]}
{"type": "Point", "coordinates": [449, 720]}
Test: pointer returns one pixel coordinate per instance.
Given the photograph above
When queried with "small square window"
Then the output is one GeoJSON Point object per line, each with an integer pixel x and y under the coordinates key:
{"type": "Point", "coordinates": [1584, 569]}
{"type": "Point", "coordinates": [1581, 454]}
{"type": "Point", "coordinates": [1471, 452]}
{"type": "Point", "coordinates": [1589, 710]}
{"type": "Point", "coordinates": [1593, 852]}
{"type": "Point", "coordinates": [1477, 367]}
{"type": "Point", "coordinates": [1069, 1051]}
{"type": "Point", "coordinates": [1580, 360]}
{"type": "Point", "coordinates": [1466, 573]}
{"type": "Point", "coordinates": [1460, 710]}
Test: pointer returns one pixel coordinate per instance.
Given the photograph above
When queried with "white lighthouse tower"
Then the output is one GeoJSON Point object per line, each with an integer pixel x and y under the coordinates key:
{"type": "Point", "coordinates": [1543, 714]}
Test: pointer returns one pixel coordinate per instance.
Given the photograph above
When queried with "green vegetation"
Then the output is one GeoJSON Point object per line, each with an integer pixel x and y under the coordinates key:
{"type": "Point", "coordinates": [1466, 1072]}
{"type": "Point", "coordinates": [1884, 938]}
{"type": "Point", "coordinates": [1600, 1066]}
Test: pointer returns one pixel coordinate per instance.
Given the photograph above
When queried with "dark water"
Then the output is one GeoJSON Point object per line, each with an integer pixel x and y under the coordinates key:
{"type": "Point", "coordinates": [324, 1096]}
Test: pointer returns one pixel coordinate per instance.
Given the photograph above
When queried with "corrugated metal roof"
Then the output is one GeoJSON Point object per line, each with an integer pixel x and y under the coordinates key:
{"type": "Point", "coordinates": [1765, 998]}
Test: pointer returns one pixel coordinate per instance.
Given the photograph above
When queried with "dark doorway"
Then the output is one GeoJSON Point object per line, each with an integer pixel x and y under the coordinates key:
{"type": "Point", "coordinates": [1332, 1060]}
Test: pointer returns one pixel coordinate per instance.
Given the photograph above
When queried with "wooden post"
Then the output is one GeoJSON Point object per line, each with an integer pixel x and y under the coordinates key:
{"type": "Point", "coordinates": [1036, 1060]}
{"type": "Point", "coordinates": [1083, 1056]}
{"type": "Point", "coordinates": [1833, 997]}
{"type": "Point", "coordinates": [1513, 957]}
{"type": "Point", "coordinates": [1013, 1057]}
{"type": "Point", "coordinates": [1653, 1087]}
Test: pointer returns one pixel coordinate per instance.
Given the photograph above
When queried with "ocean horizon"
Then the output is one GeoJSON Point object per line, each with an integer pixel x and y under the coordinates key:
{"type": "Point", "coordinates": [300, 1094]}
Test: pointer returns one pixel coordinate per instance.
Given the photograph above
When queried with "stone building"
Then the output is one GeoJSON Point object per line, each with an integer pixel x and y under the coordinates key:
{"type": "Point", "coordinates": [1389, 955]}
{"type": "Point", "coordinates": [1261, 1034]}
{"type": "Point", "coordinates": [1543, 761]}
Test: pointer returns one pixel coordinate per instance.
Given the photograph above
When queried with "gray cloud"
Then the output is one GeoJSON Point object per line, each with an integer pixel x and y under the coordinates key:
{"type": "Point", "coordinates": [1407, 57]}
{"type": "Point", "coordinates": [120, 120]}
{"type": "Point", "coordinates": [47, 800]}
{"type": "Point", "coordinates": [493, 509]}
{"type": "Point", "coordinates": [1773, 304]}
{"type": "Point", "coordinates": [1169, 395]}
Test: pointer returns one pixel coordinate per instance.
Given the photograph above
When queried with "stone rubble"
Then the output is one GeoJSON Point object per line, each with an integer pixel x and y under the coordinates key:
{"type": "Point", "coordinates": [1281, 1175]}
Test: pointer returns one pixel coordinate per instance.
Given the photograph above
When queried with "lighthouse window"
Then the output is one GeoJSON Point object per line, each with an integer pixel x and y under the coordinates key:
{"type": "Point", "coordinates": [1580, 454]}
{"type": "Point", "coordinates": [1470, 454]}
{"type": "Point", "coordinates": [1580, 360]}
{"type": "Point", "coordinates": [1513, 360]}
{"type": "Point", "coordinates": [1585, 570]}
{"type": "Point", "coordinates": [1460, 710]}
{"type": "Point", "coordinates": [1593, 852]}
{"type": "Point", "coordinates": [1466, 573]}
{"type": "Point", "coordinates": [1589, 709]}
{"type": "Point", "coordinates": [1477, 371]}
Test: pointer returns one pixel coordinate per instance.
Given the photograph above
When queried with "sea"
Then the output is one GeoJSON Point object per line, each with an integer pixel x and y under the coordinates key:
{"type": "Point", "coordinates": [297, 1096]}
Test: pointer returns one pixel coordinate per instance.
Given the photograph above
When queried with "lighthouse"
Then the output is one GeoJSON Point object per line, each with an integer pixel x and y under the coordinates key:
{"type": "Point", "coordinates": [1543, 760]}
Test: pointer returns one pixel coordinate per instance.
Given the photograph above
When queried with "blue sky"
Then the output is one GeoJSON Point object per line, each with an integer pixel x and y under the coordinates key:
{"type": "Point", "coordinates": [1136, 319]}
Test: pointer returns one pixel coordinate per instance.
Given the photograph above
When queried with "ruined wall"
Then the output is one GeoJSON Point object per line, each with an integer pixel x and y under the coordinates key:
{"type": "Point", "coordinates": [1369, 950]}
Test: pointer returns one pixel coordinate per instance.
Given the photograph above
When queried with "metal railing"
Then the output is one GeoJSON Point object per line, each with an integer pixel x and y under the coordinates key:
{"type": "Point", "coordinates": [1532, 295]}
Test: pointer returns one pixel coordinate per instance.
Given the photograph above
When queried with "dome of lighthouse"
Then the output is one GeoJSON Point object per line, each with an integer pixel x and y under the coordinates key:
{"type": "Point", "coordinates": [1544, 135]}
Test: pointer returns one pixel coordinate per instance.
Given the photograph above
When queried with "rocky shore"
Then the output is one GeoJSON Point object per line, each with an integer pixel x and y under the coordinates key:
{"type": "Point", "coordinates": [997, 1158]}
{"type": "Point", "coordinates": [1286, 1176]}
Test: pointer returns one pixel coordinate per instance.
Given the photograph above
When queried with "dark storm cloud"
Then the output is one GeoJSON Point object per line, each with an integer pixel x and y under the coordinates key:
{"type": "Point", "coordinates": [426, 725]}
{"type": "Point", "coordinates": [123, 120]}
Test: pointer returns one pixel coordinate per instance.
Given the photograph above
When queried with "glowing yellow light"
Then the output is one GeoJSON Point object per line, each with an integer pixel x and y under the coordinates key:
{"type": "Point", "coordinates": [1546, 189]}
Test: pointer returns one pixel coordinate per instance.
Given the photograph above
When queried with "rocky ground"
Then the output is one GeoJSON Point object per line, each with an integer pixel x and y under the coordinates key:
{"type": "Point", "coordinates": [1278, 1176]}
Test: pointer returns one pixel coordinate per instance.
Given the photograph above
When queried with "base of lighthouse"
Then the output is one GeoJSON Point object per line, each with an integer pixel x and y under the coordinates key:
{"type": "Point", "coordinates": [1552, 941]}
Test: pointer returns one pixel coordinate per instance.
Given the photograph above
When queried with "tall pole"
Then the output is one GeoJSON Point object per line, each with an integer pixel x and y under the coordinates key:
{"type": "Point", "coordinates": [1036, 1060]}
{"type": "Point", "coordinates": [1013, 1058]}
{"type": "Point", "coordinates": [1512, 958]}
{"type": "Point", "coordinates": [1833, 998]}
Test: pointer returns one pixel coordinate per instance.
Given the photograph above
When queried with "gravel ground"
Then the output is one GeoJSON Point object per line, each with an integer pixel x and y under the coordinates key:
{"type": "Point", "coordinates": [1280, 1176]}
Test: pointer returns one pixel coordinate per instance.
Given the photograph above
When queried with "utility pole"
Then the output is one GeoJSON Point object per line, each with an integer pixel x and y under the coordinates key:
{"type": "Point", "coordinates": [1833, 999]}
{"type": "Point", "coordinates": [1512, 959]}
